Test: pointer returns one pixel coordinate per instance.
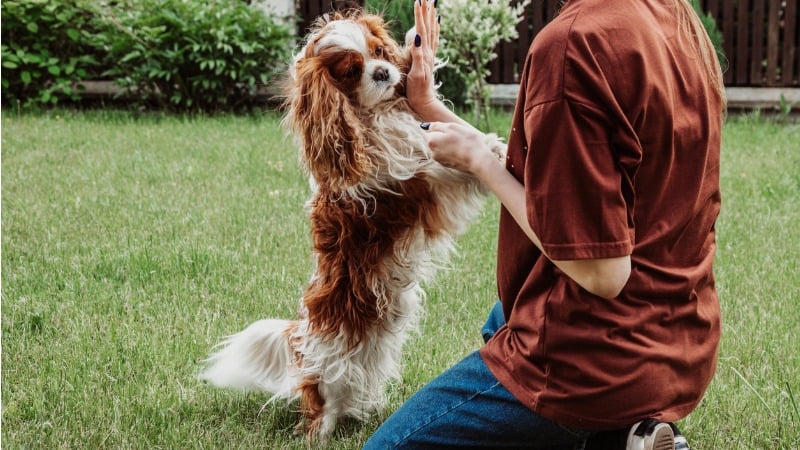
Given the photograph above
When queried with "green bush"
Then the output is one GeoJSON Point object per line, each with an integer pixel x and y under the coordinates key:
{"type": "Point", "coordinates": [204, 56]}
{"type": "Point", "coordinates": [46, 47]}
{"type": "Point", "coordinates": [180, 55]}
{"type": "Point", "coordinates": [473, 30]}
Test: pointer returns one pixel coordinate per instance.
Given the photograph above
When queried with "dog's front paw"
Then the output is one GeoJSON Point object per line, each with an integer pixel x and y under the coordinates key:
{"type": "Point", "coordinates": [497, 146]}
{"type": "Point", "coordinates": [317, 430]}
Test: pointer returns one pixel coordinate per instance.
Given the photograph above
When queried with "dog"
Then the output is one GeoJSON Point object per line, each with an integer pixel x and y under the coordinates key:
{"type": "Point", "coordinates": [384, 216]}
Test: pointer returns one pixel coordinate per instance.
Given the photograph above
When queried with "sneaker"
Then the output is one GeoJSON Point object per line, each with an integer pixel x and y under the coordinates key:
{"type": "Point", "coordinates": [650, 434]}
{"type": "Point", "coordinates": [680, 440]}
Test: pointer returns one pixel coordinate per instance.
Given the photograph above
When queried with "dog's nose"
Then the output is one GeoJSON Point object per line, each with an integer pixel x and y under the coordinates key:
{"type": "Point", "coordinates": [380, 74]}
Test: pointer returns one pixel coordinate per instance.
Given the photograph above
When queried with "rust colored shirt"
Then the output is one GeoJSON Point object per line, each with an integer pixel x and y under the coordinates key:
{"type": "Point", "coordinates": [616, 137]}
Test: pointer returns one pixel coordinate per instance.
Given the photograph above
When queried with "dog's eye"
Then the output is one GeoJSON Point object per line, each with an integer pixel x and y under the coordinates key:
{"type": "Point", "coordinates": [379, 51]}
{"type": "Point", "coordinates": [353, 72]}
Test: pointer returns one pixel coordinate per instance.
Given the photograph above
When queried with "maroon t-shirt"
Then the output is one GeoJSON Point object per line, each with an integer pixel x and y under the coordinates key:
{"type": "Point", "coordinates": [616, 137]}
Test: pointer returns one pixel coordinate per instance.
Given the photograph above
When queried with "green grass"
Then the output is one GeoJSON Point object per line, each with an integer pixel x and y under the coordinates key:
{"type": "Point", "coordinates": [753, 401]}
{"type": "Point", "coordinates": [131, 244]}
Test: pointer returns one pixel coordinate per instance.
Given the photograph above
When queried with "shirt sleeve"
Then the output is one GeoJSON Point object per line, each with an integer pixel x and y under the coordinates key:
{"type": "Point", "coordinates": [573, 183]}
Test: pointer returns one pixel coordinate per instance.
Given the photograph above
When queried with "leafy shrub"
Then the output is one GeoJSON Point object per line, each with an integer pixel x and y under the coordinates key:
{"type": "Point", "coordinates": [470, 35]}
{"type": "Point", "coordinates": [201, 56]}
{"type": "Point", "coordinates": [46, 46]}
{"type": "Point", "coordinates": [179, 54]}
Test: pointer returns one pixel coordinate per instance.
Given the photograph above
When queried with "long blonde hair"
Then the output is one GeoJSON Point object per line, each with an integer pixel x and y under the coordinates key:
{"type": "Point", "coordinates": [690, 25]}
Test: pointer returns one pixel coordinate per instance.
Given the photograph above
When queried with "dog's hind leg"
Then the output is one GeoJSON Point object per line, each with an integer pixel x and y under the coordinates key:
{"type": "Point", "coordinates": [319, 418]}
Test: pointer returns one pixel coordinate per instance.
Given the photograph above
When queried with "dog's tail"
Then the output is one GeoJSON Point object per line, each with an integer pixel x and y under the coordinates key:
{"type": "Point", "coordinates": [258, 358]}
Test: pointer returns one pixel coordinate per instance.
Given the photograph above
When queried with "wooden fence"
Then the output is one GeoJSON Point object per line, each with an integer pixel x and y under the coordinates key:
{"type": "Point", "coordinates": [309, 10]}
{"type": "Point", "coordinates": [761, 38]}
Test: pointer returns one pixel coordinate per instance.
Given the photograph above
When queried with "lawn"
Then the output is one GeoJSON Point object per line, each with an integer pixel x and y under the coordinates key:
{"type": "Point", "coordinates": [131, 244]}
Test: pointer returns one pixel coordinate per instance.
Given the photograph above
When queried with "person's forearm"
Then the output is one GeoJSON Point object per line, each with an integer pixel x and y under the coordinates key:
{"type": "Point", "coordinates": [437, 111]}
{"type": "Point", "coordinates": [604, 277]}
{"type": "Point", "coordinates": [508, 190]}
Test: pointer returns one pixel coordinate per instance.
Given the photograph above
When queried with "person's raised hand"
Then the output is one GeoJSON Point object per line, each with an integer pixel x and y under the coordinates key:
{"type": "Point", "coordinates": [420, 83]}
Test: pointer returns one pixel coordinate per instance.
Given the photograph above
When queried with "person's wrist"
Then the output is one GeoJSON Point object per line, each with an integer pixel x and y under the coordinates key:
{"type": "Point", "coordinates": [483, 163]}
{"type": "Point", "coordinates": [429, 109]}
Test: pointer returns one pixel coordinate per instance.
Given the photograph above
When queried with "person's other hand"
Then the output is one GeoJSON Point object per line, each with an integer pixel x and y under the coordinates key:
{"type": "Point", "coordinates": [459, 146]}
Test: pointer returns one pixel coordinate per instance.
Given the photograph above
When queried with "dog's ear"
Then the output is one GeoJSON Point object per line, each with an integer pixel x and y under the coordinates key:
{"type": "Point", "coordinates": [328, 125]}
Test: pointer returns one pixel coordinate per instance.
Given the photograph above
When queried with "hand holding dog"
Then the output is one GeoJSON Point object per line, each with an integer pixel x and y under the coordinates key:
{"type": "Point", "coordinates": [460, 147]}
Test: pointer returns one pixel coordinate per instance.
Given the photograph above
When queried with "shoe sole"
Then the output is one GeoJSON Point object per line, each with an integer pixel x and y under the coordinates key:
{"type": "Point", "coordinates": [651, 435]}
{"type": "Point", "coordinates": [663, 439]}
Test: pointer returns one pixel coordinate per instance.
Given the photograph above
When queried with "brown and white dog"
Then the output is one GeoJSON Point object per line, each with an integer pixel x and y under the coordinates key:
{"type": "Point", "coordinates": [383, 215]}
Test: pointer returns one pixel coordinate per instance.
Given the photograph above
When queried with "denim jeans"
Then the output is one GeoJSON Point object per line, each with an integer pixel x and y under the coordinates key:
{"type": "Point", "coordinates": [466, 407]}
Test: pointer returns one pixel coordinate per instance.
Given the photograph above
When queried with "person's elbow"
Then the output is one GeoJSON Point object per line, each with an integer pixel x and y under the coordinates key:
{"type": "Point", "coordinates": [604, 278]}
{"type": "Point", "coordinates": [611, 277]}
{"type": "Point", "coordinates": [609, 286]}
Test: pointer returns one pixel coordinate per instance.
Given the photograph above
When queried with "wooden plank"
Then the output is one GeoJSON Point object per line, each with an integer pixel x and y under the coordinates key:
{"type": "Point", "coordinates": [773, 43]}
{"type": "Point", "coordinates": [509, 61]}
{"type": "Point", "coordinates": [495, 66]}
{"type": "Point", "coordinates": [728, 28]}
{"type": "Point", "coordinates": [756, 56]}
{"type": "Point", "coordinates": [537, 17]}
{"type": "Point", "coordinates": [525, 39]}
{"type": "Point", "coordinates": [553, 7]}
{"type": "Point", "coordinates": [306, 16]}
{"type": "Point", "coordinates": [742, 43]}
{"type": "Point", "coordinates": [310, 10]}
{"type": "Point", "coordinates": [766, 98]}
{"type": "Point", "coordinates": [712, 7]}
{"type": "Point", "coordinates": [791, 35]}
{"type": "Point", "coordinates": [507, 58]}
{"type": "Point", "coordinates": [739, 98]}
{"type": "Point", "coordinates": [796, 80]}
{"type": "Point", "coordinates": [503, 94]}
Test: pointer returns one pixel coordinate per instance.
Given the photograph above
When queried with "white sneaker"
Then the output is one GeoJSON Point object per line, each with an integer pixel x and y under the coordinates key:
{"type": "Point", "coordinates": [650, 434]}
{"type": "Point", "coordinates": [680, 440]}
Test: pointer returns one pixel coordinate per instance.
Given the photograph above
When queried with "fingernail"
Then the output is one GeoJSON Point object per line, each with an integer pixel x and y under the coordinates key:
{"type": "Point", "coordinates": [417, 41]}
{"type": "Point", "coordinates": [425, 125]}
{"type": "Point", "coordinates": [435, 3]}
{"type": "Point", "coordinates": [438, 19]}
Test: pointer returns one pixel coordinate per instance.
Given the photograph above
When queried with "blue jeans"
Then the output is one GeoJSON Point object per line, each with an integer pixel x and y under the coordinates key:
{"type": "Point", "coordinates": [466, 407]}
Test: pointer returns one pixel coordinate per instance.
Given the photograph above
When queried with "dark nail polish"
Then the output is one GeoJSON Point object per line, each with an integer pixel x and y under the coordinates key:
{"type": "Point", "coordinates": [438, 19]}
{"type": "Point", "coordinates": [425, 125]}
{"type": "Point", "coordinates": [417, 41]}
{"type": "Point", "coordinates": [435, 3]}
